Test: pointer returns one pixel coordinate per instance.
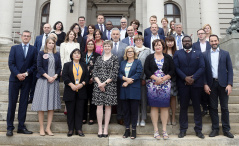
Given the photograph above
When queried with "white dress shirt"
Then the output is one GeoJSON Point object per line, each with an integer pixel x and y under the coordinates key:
{"type": "Point", "coordinates": [122, 33]}
{"type": "Point", "coordinates": [103, 26]}
{"type": "Point", "coordinates": [215, 62]}
{"type": "Point", "coordinates": [82, 30]}
{"type": "Point", "coordinates": [153, 37]}
{"type": "Point", "coordinates": [44, 39]}
{"type": "Point", "coordinates": [27, 46]}
{"type": "Point", "coordinates": [203, 46]}
{"type": "Point", "coordinates": [107, 31]}
{"type": "Point", "coordinates": [176, 40]}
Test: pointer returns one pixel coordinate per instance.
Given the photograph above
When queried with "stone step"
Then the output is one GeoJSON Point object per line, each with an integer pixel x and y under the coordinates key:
{"type": "Point", "coordinates": [113, 140]}
{"type": "Point", "coordinates": [61, 127]}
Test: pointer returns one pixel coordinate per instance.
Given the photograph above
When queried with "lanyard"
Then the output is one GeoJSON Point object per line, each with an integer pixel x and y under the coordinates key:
{"type": "Point", "coordinates": [77, 69]}
{"type": "Point", "coordinates": [87, 60]}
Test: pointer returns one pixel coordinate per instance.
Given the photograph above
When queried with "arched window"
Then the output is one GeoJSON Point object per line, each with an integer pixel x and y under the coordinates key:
{"type": "Point", "coordinates": [172, 12]}
{"type": "Point", "coordinates": [44, 16]}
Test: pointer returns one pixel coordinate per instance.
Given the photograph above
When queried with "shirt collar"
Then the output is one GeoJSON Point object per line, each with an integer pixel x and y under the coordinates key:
{"type": "Point", "coordinates": [187, 49]}
{"type": "Point", "coordinates": [179, 35]}
{"type": "Point", "coordinates": [123, 29]}
{"type": "Point", "coordinates": [217, 50]}
{"type": "Point", "coordinates": [45, 34]}
{"type": "Point", "coordinates": [154, 35]}
{"type": "Point", "coordinates": [24, 45]}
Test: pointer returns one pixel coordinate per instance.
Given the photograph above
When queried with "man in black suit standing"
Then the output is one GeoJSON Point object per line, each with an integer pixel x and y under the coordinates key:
{"type": "Point", "coordinates": [153, 20]}
{"type": "Point", "coordinates": [190, 67]}
{"type": "Point", "coordinates": [81, 21]}
{"type": "Point", "coordinates": [101, 26]}
{"type": "Point", "coordinates": [22, 64]}
{"type": "Point", "coordinates": [109, 26]}
{"type": "Point", "coordinates": [218, 84]}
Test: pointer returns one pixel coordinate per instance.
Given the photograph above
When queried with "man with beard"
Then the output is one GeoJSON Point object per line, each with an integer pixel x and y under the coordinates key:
{"type": "Point", "coordinates": [190, 66]}
{"type": "Point", "coordinates": [218, 83]}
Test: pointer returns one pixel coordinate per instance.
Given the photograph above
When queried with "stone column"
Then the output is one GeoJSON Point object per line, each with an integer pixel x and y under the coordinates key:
{"type": "Point", "coordinates": [6, 20]}
{"type": "Point", "coordinates": [155, 7]}
{"type": "Point", "coordinates": [82, 8]}
{"type": "Point", "coordinates": [58, 11]}
{"type": "Point", "coordinates": [209, 15]}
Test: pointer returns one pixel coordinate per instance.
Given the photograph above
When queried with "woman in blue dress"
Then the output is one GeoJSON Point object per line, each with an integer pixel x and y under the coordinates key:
{"type": "Point", "coordinates": [159, 69]}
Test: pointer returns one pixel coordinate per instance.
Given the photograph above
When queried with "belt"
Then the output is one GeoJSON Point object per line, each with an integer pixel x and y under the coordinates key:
{"type": "Point", "coordinates": [214, 79]}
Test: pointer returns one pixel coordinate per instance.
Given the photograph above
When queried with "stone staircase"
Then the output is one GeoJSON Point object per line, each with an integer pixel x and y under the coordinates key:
{"type": "Point", "coordinates": [144, 134]}
{"type": "Point", "coordinates": [17, 20]}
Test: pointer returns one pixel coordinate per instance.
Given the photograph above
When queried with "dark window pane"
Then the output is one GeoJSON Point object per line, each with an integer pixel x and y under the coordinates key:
{"type": "Point", "coordinates": [176, 10]}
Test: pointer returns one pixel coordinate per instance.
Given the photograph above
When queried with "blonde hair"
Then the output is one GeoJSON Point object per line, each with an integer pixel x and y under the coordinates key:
{"type": "Point", "coordinates": [126, 50]}
{"type": "Point", "coordinates": [209, 26]}
{"type": "Point", "coordinates": [54, 36]}
{"type": "Point", "coordinates": [45, 47]}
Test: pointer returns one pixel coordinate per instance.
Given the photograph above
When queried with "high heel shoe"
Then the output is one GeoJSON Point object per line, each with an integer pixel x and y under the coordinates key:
{"type": "Point", "coordinates": [133, 136]}
{"type": "Point", "coordinates": [100, 135]}
{"type": "Point", "coordinates": [105, 135]}
{"type": "Point", "coordinates": [70, 133]}
{"type": "Point", "coordinates": [48, 133]}
{"type": "Point", "coordinates": [126, 133]}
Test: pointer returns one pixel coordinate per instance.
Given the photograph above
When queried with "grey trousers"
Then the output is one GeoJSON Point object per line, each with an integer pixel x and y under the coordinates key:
{"type": "Point", "coordinates": [143, 104]}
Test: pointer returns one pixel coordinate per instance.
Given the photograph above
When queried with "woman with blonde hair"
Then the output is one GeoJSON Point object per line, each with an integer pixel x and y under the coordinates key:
{"type": "Point", "coordinates": [47, 96]}
{"type": "Point", "coordinates": [208, 29]}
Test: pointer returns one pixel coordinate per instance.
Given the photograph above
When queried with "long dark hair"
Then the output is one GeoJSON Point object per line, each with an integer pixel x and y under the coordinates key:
{"type": "Point", "coordinates": [170, 39]}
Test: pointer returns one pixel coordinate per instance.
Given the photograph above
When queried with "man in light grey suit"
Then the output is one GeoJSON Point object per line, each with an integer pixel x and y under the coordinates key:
{"type": "Point", "coordinates": [118, 50]}
{"type": "Point", "coordinates": [178, 36]}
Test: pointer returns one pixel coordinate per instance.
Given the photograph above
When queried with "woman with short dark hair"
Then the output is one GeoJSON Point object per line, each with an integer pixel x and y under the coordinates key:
{"type": "Point", "coordinates": [98, 41]}
{"type": "Point", "coordinates": [75, 76]}
{"type": "Point", "coordinates": [58, 27]}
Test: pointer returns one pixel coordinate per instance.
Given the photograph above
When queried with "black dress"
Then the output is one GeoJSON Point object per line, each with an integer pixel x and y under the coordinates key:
{"type": "Point", "coordinates": [60, 38]}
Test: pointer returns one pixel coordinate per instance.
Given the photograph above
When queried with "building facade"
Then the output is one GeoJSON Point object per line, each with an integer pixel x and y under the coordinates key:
{"type": "Point", "coordinates": [19, 15]}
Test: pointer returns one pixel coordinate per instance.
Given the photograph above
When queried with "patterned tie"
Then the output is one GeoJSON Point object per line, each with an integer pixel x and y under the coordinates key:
{"type": "Point", "coordinates": [131, 41]}
{"type": "Point", "coordinates": [25, 50]}
{"type": "Point", "coordinates": [179, 42]}
{"type": "Point", "coordinates": [108, 34]}
{"type": "Point", "coordinates": [101, 28]}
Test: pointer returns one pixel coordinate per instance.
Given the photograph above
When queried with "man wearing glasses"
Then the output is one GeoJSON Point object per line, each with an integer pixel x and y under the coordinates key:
{"type": "Point", "coordinates": [123, 29]}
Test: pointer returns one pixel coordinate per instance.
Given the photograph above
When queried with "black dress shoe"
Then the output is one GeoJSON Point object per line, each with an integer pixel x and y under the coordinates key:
{"type": "Point", "coordinates": [80, 133]}
{"type": "Point", "coordinates": [105, 135]}
{"type": "Point", "coordinates": [9, 133]}
{"type": "Point", "coordinates": [200, 135]}
{"type": "Point", "coordinates": [100, 135]}
{"type": "Point", "coordinates": [29, 101]}
{"type": "Point", "coordinates": [182, 134]}
{"type": "Point", "coordinates": [24, 131]}
{"type": "Point", "coordinates": [70, 133]}
{"type": "Point", "coordinates": [91, 123]}
{"type": "Point", "coordinates": [204, 113]}
{"type": "Point", "coordinates": [214, 133]}
{"type": "Point", "coordinates": [228, 134]}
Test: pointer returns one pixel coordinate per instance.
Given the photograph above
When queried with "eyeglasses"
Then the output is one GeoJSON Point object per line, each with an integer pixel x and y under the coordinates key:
{"type": "Point", "coordinates": [27, 36]}
{"type": "Point", "coordinates": [123, 22]}
{"type": "Point", "coordinates": [201, 33]}
{"type": "Point", "coordinates": [90, 44]}
{"type": "Point", "coordinates": [138, 40]}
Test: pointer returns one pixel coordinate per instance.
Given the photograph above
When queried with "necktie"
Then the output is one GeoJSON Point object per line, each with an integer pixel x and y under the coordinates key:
{"type": "Point", "coordinates": [46, 37]}
{"type": "Point", "coordinates": [179, 42]}
{"type": "Point", "coordinates": [187, 51]}
{"type": "Point", "coordinates": [25, 50]}
{"type": "Point", "coordinates": [101, 28]}
{"type": "Point", "coordinates": [131, 41]}
{"type": "Point", "coordinates": [108, 34]}
{"type": "Point", "coordinates": [115, 52]}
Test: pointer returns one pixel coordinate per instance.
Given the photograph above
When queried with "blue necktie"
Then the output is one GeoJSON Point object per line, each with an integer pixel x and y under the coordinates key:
{"type": "Point", "coordinates": [179, 42]}
{"type": "Point", "coordinates": [25, 50]}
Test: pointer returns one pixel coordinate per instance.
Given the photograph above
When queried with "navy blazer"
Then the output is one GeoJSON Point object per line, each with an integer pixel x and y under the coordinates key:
{"type": "Point", "coordinates": [196, 46]}
{"type": "Point", "coordinates": [68, 77]}
{"type": "Point", "coordinates": [225, 70]}
{"type": "Point", "coordinates": [38, 42]}
{"type": "Point", "coordinates": [42, 65]}
{"type": "Point", "coordinates": [132, 91]}
{"type": "Point", "coordinates": [103, 37]}
{"type": "Point", "coordinates": [147, 32]}
{"type": "Point", "coordinates": [85, 31]}
{"type": "Point", "coordinates": [147, 40]}
{"type": "Point", "coordinates": [19, 64]}
{"type": "Point", "coordinates": [126, 41]}
{"type": "Point", "coordinates": [195, 66]}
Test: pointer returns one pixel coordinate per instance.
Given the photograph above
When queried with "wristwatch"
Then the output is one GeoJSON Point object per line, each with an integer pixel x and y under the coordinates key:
{"type": "Point", "coordinates": [26, 74]}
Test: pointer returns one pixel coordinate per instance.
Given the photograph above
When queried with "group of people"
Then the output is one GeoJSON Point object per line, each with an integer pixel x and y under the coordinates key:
{"type": "Point", "coordinates": [106, 66]}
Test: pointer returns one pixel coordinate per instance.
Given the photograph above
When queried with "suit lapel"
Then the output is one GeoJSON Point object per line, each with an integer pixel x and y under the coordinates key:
{"type": "Point", "coordinates": [29, 51]}
{"type": "Point", "coordinates": [21, 50]}
{"type": "Point", "coordinates": [220, 55]}
{"type": "Point", "coordinates": [71, 71]}
{"type": "Point", "coordinates": [131, 68]}
{"type": "Point", "coordinates": [209, 57]}
{"type": "Point", "coordinates": [123, 67]}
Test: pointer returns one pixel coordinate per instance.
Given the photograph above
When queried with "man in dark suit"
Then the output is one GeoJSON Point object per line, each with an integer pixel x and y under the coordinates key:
{"type": "Point", "coordinates": [218, 83]}
{"type": "Point", "coordinates": [154, 35]}
{"type": "Point", "coordinates": [190, 68]}
{"type": "Point", "coordinates": [109, 26]}
{"type": "Point", "coordinates": [178, 36]}
{"type": "Point", "coordinates": [118, 50]}
{"type": "Point", "coordinates": [100, 25]}
{"type": "Point", "coordinates": [130, 39]}
{"type": "Point", "coordinates": [81, 22]}
{"type": "Point", "coordinates": [22, 64]}
{"type": "Point", "coordinates": [39, 42]}
{"type": "Point", "coordinates": [203, 45]}
{"type": "Point", "coordinates": [153, 20]}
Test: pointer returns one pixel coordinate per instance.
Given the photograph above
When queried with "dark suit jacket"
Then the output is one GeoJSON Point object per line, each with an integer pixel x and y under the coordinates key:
{"type": "Point", "coordinates": [139, 33]}
{"type": "Point", "coordinates": [85, 31]}
{"type": "Point", "coordinates": [195, 66]}
{"type": "Point", "coordinates": [126, 41]}
{"type": "Point", "coordinates": [80, 41]}
{"type": "Point", "coordinates": [104, 37]}
{"type": "Point", "coordinates": [38, 42]}
{"type": "Point", "coordinates": [19, 64]}
{"type": "Point", "coordinates": [196, 46]}
{"type": "Point", "coordinates": [150, 66]}
{"type": "Point", "coordinates": [225, 70]}
{"type": "Point", "coordinates": [42, 65]}
{"type": "Point", "coordinates": [147, 32]}
{"type": "Point", "coordinates": [147, 40]}
{"type": "Point", "coordinates": [68, 77]}
{"type": "Point", "coordinates": [132, 91]}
